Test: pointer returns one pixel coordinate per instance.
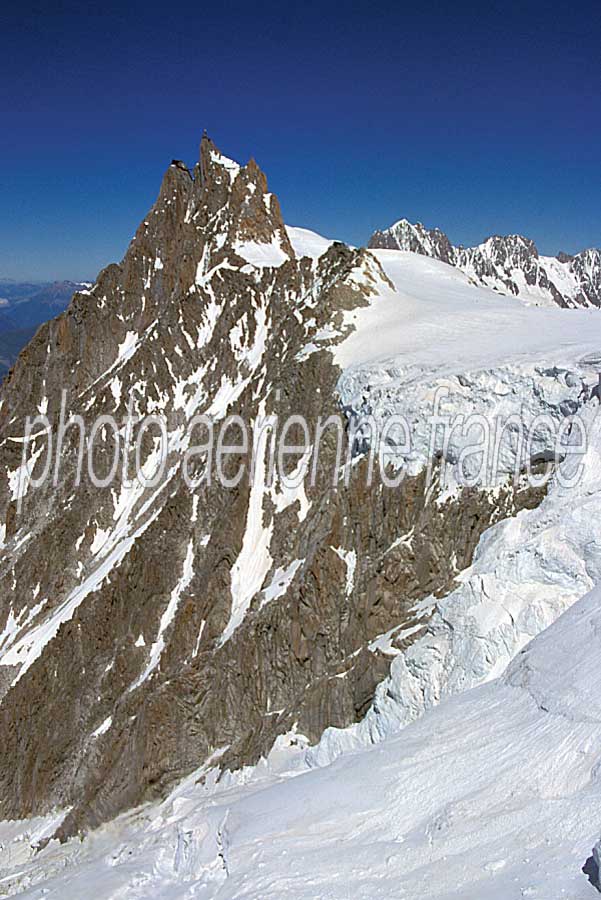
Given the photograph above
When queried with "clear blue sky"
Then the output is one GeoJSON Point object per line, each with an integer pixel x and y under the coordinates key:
{"type": "Point", "coordinates": [479, 119]}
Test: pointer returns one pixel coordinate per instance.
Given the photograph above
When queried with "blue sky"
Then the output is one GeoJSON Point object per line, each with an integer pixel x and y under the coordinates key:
{"type": "Point", "coordinates": [479, 119]}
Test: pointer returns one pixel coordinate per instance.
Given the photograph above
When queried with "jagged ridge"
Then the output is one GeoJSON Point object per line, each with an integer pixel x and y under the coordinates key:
{"type": "Point", "coordinates": [510, 264]}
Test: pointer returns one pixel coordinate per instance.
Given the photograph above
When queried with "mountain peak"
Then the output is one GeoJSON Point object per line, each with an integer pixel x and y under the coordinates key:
{"type": "Point", "coordinates": [209, 313]}
{"type": "Point", "coordinates": [213, 164]}
{"type": "Point", "coordinates": [515, 246]}
{"type": "Point", "coordinates": [403, 235]}
{"type": "Point", "coordinates": [253, 214]}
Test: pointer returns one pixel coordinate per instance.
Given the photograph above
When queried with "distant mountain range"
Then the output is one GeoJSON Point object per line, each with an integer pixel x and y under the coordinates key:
{"type": "Point", "coordinates": [509, 264]}
{"type": "Point", "coordinates": [24, 306]}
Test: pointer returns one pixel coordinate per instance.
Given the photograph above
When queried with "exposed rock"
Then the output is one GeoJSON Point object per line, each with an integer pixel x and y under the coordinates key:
{"type": "Point", "coordinates": [596, 880]}
{"type": "Point", "coordinates": [416, 238]}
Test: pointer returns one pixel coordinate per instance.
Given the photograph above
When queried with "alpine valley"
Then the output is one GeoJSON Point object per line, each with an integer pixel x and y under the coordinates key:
{"type": "Point", "coordinates": [320, 689]}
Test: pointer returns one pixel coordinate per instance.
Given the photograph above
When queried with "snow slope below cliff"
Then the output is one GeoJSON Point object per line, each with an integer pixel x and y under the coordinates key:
{"type": "Point", "coordinates": [496, 794]}
{"type": "Point", "coordinates": [437, 318]}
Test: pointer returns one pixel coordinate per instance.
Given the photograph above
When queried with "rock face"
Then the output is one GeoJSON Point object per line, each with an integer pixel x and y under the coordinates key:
{"type": "Point", "coordinates": [146, 628]}
{"type": "Point", "coordinates": [509, 264]}
{"type": "Point", "coordinates": [596, 879]}
{"type": "Point", "coordinates": [416, 238]}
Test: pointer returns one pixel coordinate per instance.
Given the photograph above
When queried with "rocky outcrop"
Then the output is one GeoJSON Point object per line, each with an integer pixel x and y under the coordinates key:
{"type": "Point", "coordinates": [596, 874]}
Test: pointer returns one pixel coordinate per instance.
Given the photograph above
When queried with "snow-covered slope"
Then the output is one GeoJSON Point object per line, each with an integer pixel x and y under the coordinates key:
{"type": "Point", "coordinates": [495, 794]}
{"type": "Point", "coordinates": [510, 264]}
{"type": "Point", "coordinates": [437, 317]}
{"type": "Point", "coordinates": [307, 243]}
{"type": "Point", "coordinates": [488, 355]}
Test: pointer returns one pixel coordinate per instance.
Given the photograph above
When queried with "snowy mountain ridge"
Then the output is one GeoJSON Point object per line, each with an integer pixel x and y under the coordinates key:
{"type": "Point", "coordinates": [204, 656]}
{"type": "Point", "coordinates": [266, 616]}
{"type": "Point", "coordinates": [510, 264]}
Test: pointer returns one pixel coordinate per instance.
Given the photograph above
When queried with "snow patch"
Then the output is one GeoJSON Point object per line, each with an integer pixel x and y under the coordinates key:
{"type": "Point", "coordinates": [281, 581]}
{"type": "Point", "coordinates": [168, 616]}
